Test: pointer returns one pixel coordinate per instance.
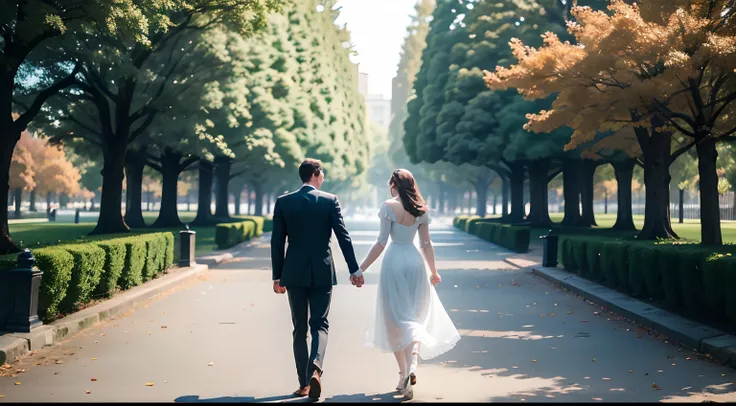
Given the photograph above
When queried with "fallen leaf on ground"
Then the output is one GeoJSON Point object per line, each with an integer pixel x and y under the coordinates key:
{"type": "Point", "coordinates": [595, 313]}
{"type": "Point", "coordinates": [597, 399]}
{"type": "Point", "coordinates": [88, 392]}
{"type": "Point", "coordinates": [584, 321]}
{"type": "Point", "coordinates": [1, 396]}
{"type": "Point", "coordinates": [149, 383]}
{"type": "Point", "coordinates": [164, 327]}
{"type": "Point", "coordinates": [93, 379]}
{"type": "Point", "coordinates": [211, 364]}
{"type": "Point", "coordinates": [655, 387]}
{"type": "Point", "coordinates": [593, 359]}
{"type": "Point", "coordinates": [631, 371]}
{"type": "Point", "coordinates": [606, 379]}
{"type": "Point", "coordinates": [17, 383]}
{"type": "Point", "coordinates": [686, 388]}
{"type": "Point", "coordinates": [534, 360]}
{"type": "Point", "coordinates": [660, 371]}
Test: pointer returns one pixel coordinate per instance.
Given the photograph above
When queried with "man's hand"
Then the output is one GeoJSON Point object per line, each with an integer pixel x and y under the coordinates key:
{"type": "Point", "coordinates": [357, 281]}
{"type": "Point", "coordinates": [277, 288]}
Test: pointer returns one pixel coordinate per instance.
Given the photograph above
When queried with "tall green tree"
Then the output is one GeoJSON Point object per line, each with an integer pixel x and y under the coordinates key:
{"type": "Point", "coordinates": [121, 81]}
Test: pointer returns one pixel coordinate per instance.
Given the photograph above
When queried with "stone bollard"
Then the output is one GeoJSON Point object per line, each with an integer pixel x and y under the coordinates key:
{"type": "Point", "coordinates": [76, 217]}
{"type": "Point", "coordinates": [187, 248]}
{"type": "Point", "coordinates": [25, 283]}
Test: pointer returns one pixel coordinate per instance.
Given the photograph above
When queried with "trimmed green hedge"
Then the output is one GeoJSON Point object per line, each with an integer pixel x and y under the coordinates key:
{"type": "Point", "coordinates": [690, 279]}
{"type": "Point", "coordinates": [461, 221]}
{"type": "Point", "coordinates": [115, 251]}
{"type": "Point", "coordinates": [258, 222]}
{"type": "Point", "coordinates": [515, 238]}
{"type": "Point", "coordinates": [471, 224]}
{"type": "Point", "coordinates": [135, 260]}
{"type": "Point", "coordinates": [57, 266]}
{"type": "Point", "coordinates": [74, 274]}
{"type": "Point", "coordinates": [230, 234]}
{"type": "Point", "coordinates": [89, 259]}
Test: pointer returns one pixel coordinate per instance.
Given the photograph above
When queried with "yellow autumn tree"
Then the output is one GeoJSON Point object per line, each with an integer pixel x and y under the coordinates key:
{"type": "Point", "coordinates": [22, 169]}
{"type": "Point", "coordinates": [55, 174]}
{"type": "Point", "coordinates": [644, 70]}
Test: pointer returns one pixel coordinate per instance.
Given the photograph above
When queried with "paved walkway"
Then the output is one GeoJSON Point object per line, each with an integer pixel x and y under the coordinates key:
{"type": "Point", "coordinates": [227, 337]}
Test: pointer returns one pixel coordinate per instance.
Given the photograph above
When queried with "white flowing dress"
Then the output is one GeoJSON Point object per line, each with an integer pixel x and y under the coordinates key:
{"type": "Point", "coordinates": [407, 306]}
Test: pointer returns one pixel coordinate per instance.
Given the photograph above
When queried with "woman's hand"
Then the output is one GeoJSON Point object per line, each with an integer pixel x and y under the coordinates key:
{"type": "Point", "coordinates": [435, 279]}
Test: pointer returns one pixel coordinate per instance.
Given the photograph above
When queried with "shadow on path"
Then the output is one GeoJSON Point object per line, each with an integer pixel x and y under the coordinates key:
{"type": "Point", "coordinates": [389, 397]}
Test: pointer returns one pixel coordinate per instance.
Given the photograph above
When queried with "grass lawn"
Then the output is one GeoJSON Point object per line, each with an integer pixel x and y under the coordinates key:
{"type": "Point", "coordinates": [45, 234]}
{"type": "Point", "coordinates": [689, 230]}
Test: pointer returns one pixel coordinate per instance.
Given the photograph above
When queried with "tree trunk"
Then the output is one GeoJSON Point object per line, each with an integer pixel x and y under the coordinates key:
{"type": "Point", "coordinates": [64, 200]}
{"type": "Point", "coordinates": [134, 166]}
{"type": "Point", "coordinates": [571, 193]}
{"type": "Point", "coordinates": [538, 194]}
{"type": "Point", "coordinates": [168, 215]}
{"type": "Point", "coordinates": [481, 190]}
{"type": "Point", "coordinates": [204, 194]}
{"type": "Point", "coordinates": [222, 173]}
{"type": "Point", "coordinates": [18, 200]}
{"type": "Point", "coordinates": [189, 202]}
{"type": "Point", "coordinates": [111, 219]}
{"type": "Point", "coordinates": [9, 136]}
{"type": "Point", "coordinates": [656, 156]}
{"type": "Point", "coordinates": [587, 187]}
{"type": "Point", "coordinates": [495, 202]}
{"type": "Point", "coordinates": [517, 193]}
{"type": "Point", "coordinates": [270, 202]}
{"type": "Point", "coordinates": [48, 203]}
{"type": "Point", "coordinates": [605, 202]}
{"type": "Point", "coordinates": [710, 211]}
{"type": "Point", "coordinates": [237, 194]}
{"type": "Point", "coordinates": [504, 197]}
{"type": "Point", "coordinates": [33, 201]}
{"type": "Point", "coordinates": [624, 172]}
{"type": "Point", "coordinates": [258, 189]}
{"type": "Point", "coordinates": [682, 206]}
{"type": "Point", "coordinates": [441, 194]}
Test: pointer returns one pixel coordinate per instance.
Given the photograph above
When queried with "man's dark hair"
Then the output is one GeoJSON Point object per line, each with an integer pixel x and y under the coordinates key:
{"type": "Point", "coordinates": [308, 168]}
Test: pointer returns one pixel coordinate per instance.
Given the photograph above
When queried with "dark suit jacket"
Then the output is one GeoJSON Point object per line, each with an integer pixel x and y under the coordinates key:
{"type": "Point", "coordinates": [308, 217]}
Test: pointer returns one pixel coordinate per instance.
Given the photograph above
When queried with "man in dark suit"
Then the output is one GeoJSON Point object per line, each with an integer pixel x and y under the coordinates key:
{"type": "Point", "coordinates": [307, 272]}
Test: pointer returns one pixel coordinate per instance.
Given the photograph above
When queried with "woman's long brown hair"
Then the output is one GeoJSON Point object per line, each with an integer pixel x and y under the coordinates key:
{"type": "Point", "coordinates": [408, 190]}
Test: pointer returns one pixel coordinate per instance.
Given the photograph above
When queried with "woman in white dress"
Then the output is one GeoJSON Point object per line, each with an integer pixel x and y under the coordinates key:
{"type": "Point", "coordinates": [410, 320]}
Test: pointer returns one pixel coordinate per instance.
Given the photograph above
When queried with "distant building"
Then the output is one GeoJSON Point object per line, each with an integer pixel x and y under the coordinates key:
{"type": "Point", "coordinates": [379, 110]}
{"type": "Point", "coordinates": [377, 107]}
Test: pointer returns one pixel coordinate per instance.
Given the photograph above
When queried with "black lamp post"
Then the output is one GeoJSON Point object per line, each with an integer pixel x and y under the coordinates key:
{"type": "Point", "coordinates": [187, 247]}
{"type": "Point", "coordinates": [25, 284]}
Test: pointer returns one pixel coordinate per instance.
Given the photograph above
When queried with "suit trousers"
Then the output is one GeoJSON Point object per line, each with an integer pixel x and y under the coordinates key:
{"type": "Point", "coordinates": [314, 301]}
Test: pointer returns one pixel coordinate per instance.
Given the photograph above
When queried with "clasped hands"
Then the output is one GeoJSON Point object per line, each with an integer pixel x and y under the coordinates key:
{"type": "Point", "coordinates": [357, 281]}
